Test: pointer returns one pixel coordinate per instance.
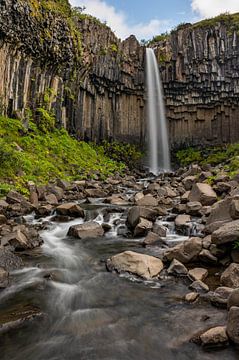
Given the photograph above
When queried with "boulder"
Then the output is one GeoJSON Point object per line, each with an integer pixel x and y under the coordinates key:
{"type": "Point", "coordinates": [191, 297]}
{"type": "Point", "coordinates": [184, 198]}
{"type": "Point", "coordinates": [214, 337]}
{"type": "Point", "coordinates": [51, 199]}
{"type": "Point", "coordinates": [203, 193]}
{"type": "Point", "coordinates": [153, 187]}
{"type": "Point", "coordinates": [222, 187]}
{"type": "Point", "coordinates": [220, 214]}
{"type": "Point", "coordinates": [90, 229]}
{"type": "Point", "coordinates": [57, 191]}
{"type": "Point", "coordinates": [142, 265]}
{"type": "Point", "coordinates": [44, 210]}
{"type": "Point", "coordinates": [152, 239]}
{"type": "Point", "coordinates": [3, 278]}
{"type": "Point", "coordinates": [194, 208]}
{"type": "Point", "coordinates": [137, 212]}
{"type": "Point", "coordinates": [220, 296]}
{"type": "Point", "coordinates": [147, 200]}
{"type": "Point", "coordinates": [185, 252]}
{"type": "Point", "coordinates": [230, 277]}
{"type": "Point", "coordinates": [182, 224]}
{"type": "Point", "coordinates": [143, 227]}
{"type": "Point", "coordinates": [188, 182]}
{"type": "Point", "coordinates": [8, 260]}
{"type": "Point", "coordinates": [198, 274]}
{"type": "Point", "coordinates": [227, 233]}
{"type": "Point", "coordinates": [177, 268]}
{"type": "Point", "coordinates": [207, 257]}
{"type": "Point", "coordinates": [233, 324]}
{"type": "Point", "coordinates": [70, 209]}
{"type": "Point", "coordinates": [160, 230]}
{"type": "Point", "coordinates": [233, 299]}
{"type": "Point", "coordinates": [199, 286]}
{"type": "Point", "coordinates": [95, 193]}
{"type": "Point", "coordinates": [234, 209]}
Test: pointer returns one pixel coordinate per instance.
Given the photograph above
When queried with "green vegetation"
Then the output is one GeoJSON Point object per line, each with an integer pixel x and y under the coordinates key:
{"type": "Point", "coordinates": [227, 155]}
{"type": "Point", "coordinates": [157, 38]}
{"type": "Point", "coordinates": [122, 152]}
{"type": "Point", "coordinates": [231, 21]}
{"type": "Point", "coordinates": [34, 155]}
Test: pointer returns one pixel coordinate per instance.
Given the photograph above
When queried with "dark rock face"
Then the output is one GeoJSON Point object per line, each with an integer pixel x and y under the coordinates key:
{"type": "Point", "coordinates": [200, 73]}
{"type": "Point", "coordinates": [95, 97]}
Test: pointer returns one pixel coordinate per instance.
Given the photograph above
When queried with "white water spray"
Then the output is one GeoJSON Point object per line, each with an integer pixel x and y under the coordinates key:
{"type": "Point", "coordinates": [159, 156]}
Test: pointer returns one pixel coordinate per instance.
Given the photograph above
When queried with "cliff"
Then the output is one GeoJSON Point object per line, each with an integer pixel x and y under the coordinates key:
{"type": "Point", "coordinates": [54, 60]}
{"type": "Point", "coordinates": [200, 70]}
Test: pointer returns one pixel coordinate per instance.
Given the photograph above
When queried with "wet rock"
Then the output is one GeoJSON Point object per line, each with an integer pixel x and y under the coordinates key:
{"type": "Point", "coordinates": [152, 239]}
{"type": "Point", "coordinates": [203, 193]}
{"type": "Point", "coordinates": [233, 324]}
{"type": "Point", "coordinates": [233, 298]}
{"type": "Point", "coordinates": [185, 252]}
{"type": "Point", "coordinates": [214, 337]}
{"type": "Point", "coordinates": [182, 224]}
{"type": "Point", "coordinates": [137, 212]}
{"type": "Point", "coordinates": [207, 257]}
{"type": "Point", "coordinates": [8, 260]}
{"type": "Point", "coordinates": [191, 297]}
{"type": "Point", "coordinates": [142, 265]}
{"type": "Point", "coordinates": [3, 219]}
{"type": "Point", "coordinates": [220, 296]}
{"type": "Point", "coordinates": [199, 286]}
{"type": "Point", "coordinates": [234, 209]}
{"type": "Point", "coordinates": [143, 227]}
{"type": "Point", "coordinates": [230, 277]}
{"type": "Point", "coordinates": [194, 208]}
{"type": "Point", "coordinates": [160, 230]}
{"type": "Point", "coordinates": [44, 210]}
{"type": "Point", "coordinates": [51, 199]}
{"type": "Point", "coordinates": [198, 274]}
{"type": "Point", "coordinates": [188, 182]}
{"type": "Point", "coordinates": [70, 209]}
{"type": "Point", "coordinates": [147, 200]}
{"type": "Point", "coordinates": [177, 268]}
{"type": "Point", "coordinates": [227, 233]}
{"type": "Point", "coordinates": [17, 239]}
{"type": "Point", "coordinates": [3, 278]}
{"type": "Point", "coordinates": [90, 229]}
{"type": "Point", "coordinates": [95, 193]}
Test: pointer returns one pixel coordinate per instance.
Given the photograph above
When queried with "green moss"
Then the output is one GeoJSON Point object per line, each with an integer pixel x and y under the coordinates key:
{"type": "Point", "coordinates": [158, 38]}
{"type": "Point", "coordinates": [33, 155]}
{"type": "Point", "coordinates": [231, 21]}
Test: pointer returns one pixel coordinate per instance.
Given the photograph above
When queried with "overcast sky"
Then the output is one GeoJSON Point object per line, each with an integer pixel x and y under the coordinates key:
{"type": "Point", "coordinates": [146, 18]}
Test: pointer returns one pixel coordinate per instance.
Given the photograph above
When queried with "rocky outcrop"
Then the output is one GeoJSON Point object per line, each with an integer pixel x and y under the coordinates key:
{"type": "Point", "coordinates": [199, 66]}
{"type": "Point", "coordinates": [95, 88]}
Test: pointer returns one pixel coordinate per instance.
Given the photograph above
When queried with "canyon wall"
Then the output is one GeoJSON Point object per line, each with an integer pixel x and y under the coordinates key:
{"type": "Point", "coordinates": [90, 79]}
{"type": "Point", "coordinates": [200, 70]}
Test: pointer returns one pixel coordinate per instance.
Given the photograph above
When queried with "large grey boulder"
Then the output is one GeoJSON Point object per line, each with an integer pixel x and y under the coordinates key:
{"type": "Point", "coordinates": [137, 212]}
{"type": "Point", "coordinates": [230, 277]}
{"type": "Point", "coordinates": [203, 193]}
{"type": "Point", "coordinates": [233, 324]}
{"type": "Point", "coordinates": [70, 209]}
{"type": "Point", "coordinates": [227, 233]}
{"type": "Point", "coordinates": [142, 265]}
{"type": "Point", "coordinates": [90, 229]}
{"type": "Point", "coordinates": [214, 337]}
{"type": "Point", "coordinates": [185, 252]}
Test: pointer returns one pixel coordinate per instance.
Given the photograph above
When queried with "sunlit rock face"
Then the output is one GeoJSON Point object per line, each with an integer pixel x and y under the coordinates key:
{"type": "Point", "coordinates": [99, 96]}
{"type": "Point", "coordinates": [200, 71]}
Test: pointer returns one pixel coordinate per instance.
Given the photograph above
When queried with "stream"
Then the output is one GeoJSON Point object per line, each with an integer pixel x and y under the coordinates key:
{"type": "Point", "coordinates": [92, 314]}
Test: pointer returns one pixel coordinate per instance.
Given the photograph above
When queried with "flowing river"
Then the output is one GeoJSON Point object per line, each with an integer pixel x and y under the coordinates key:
{"type": "Point", "coordinates": [92, 314]}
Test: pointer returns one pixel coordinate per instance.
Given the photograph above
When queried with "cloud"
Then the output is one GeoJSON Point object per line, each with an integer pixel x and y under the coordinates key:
{"type": "Point", "coordinates": [209, 8]}
{"type": "Point", "coordinates": [118, 21]}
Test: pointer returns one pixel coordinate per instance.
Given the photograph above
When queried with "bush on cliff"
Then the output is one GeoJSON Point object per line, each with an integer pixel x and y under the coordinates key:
{"type": "Point", "coordinates": [30, 154]}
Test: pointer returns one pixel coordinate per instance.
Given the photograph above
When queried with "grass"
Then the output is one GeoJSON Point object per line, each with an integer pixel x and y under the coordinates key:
{"type": "Point", "coordinates": [227, 155]}
{"type": "Point", "coordinates": [42, 156]}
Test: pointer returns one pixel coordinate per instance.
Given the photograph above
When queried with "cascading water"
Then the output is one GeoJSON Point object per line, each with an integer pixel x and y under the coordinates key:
{"type": "Point", "coordinates": [159, 156]}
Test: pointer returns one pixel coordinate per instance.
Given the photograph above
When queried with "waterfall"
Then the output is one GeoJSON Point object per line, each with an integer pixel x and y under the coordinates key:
{"type": "Point", "coordinates": [159, 156]}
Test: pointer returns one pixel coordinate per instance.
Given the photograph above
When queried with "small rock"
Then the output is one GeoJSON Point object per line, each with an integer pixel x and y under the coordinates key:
{"type": "Point", "coordinates": [142, 265]}
{"type": "Point", "coordinates": [194, 208]}
{"type": "Point", "coordinates": [177, 268]}
{"type": "Point", "coordinates": [233, 324]}
{"type": "Point", "coordinates": [207, 257]}
{"type": "Point", "coordinates": [147, 200]}
{"type": "Point", "coordinates": [182, 224]}
{"type": "Point", "coordinates": [152, 239]}
{"type": "Point", "coordinates": [188, 182]}
{"type": "Point", "coordinates": [191, 297]}
{"type": "Point", "coordinates": [90, 229]}
{"type": "Point", "coordinates": [137, 212]}
{"type": "Point", "coordinates": [51, 199]}
{"type": "Point", "coordinates": [214, 337]}
{"type": "Point", "coordinates": [142, 227]}
{"type": "Point", "coordinates": [199, 286]}
{"type": "Point", "coordinates": [198, 274]}
{"type": "Point", "coordinates": [160, 230]}
{"type": "Point", "coordinates": [70, 209]}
